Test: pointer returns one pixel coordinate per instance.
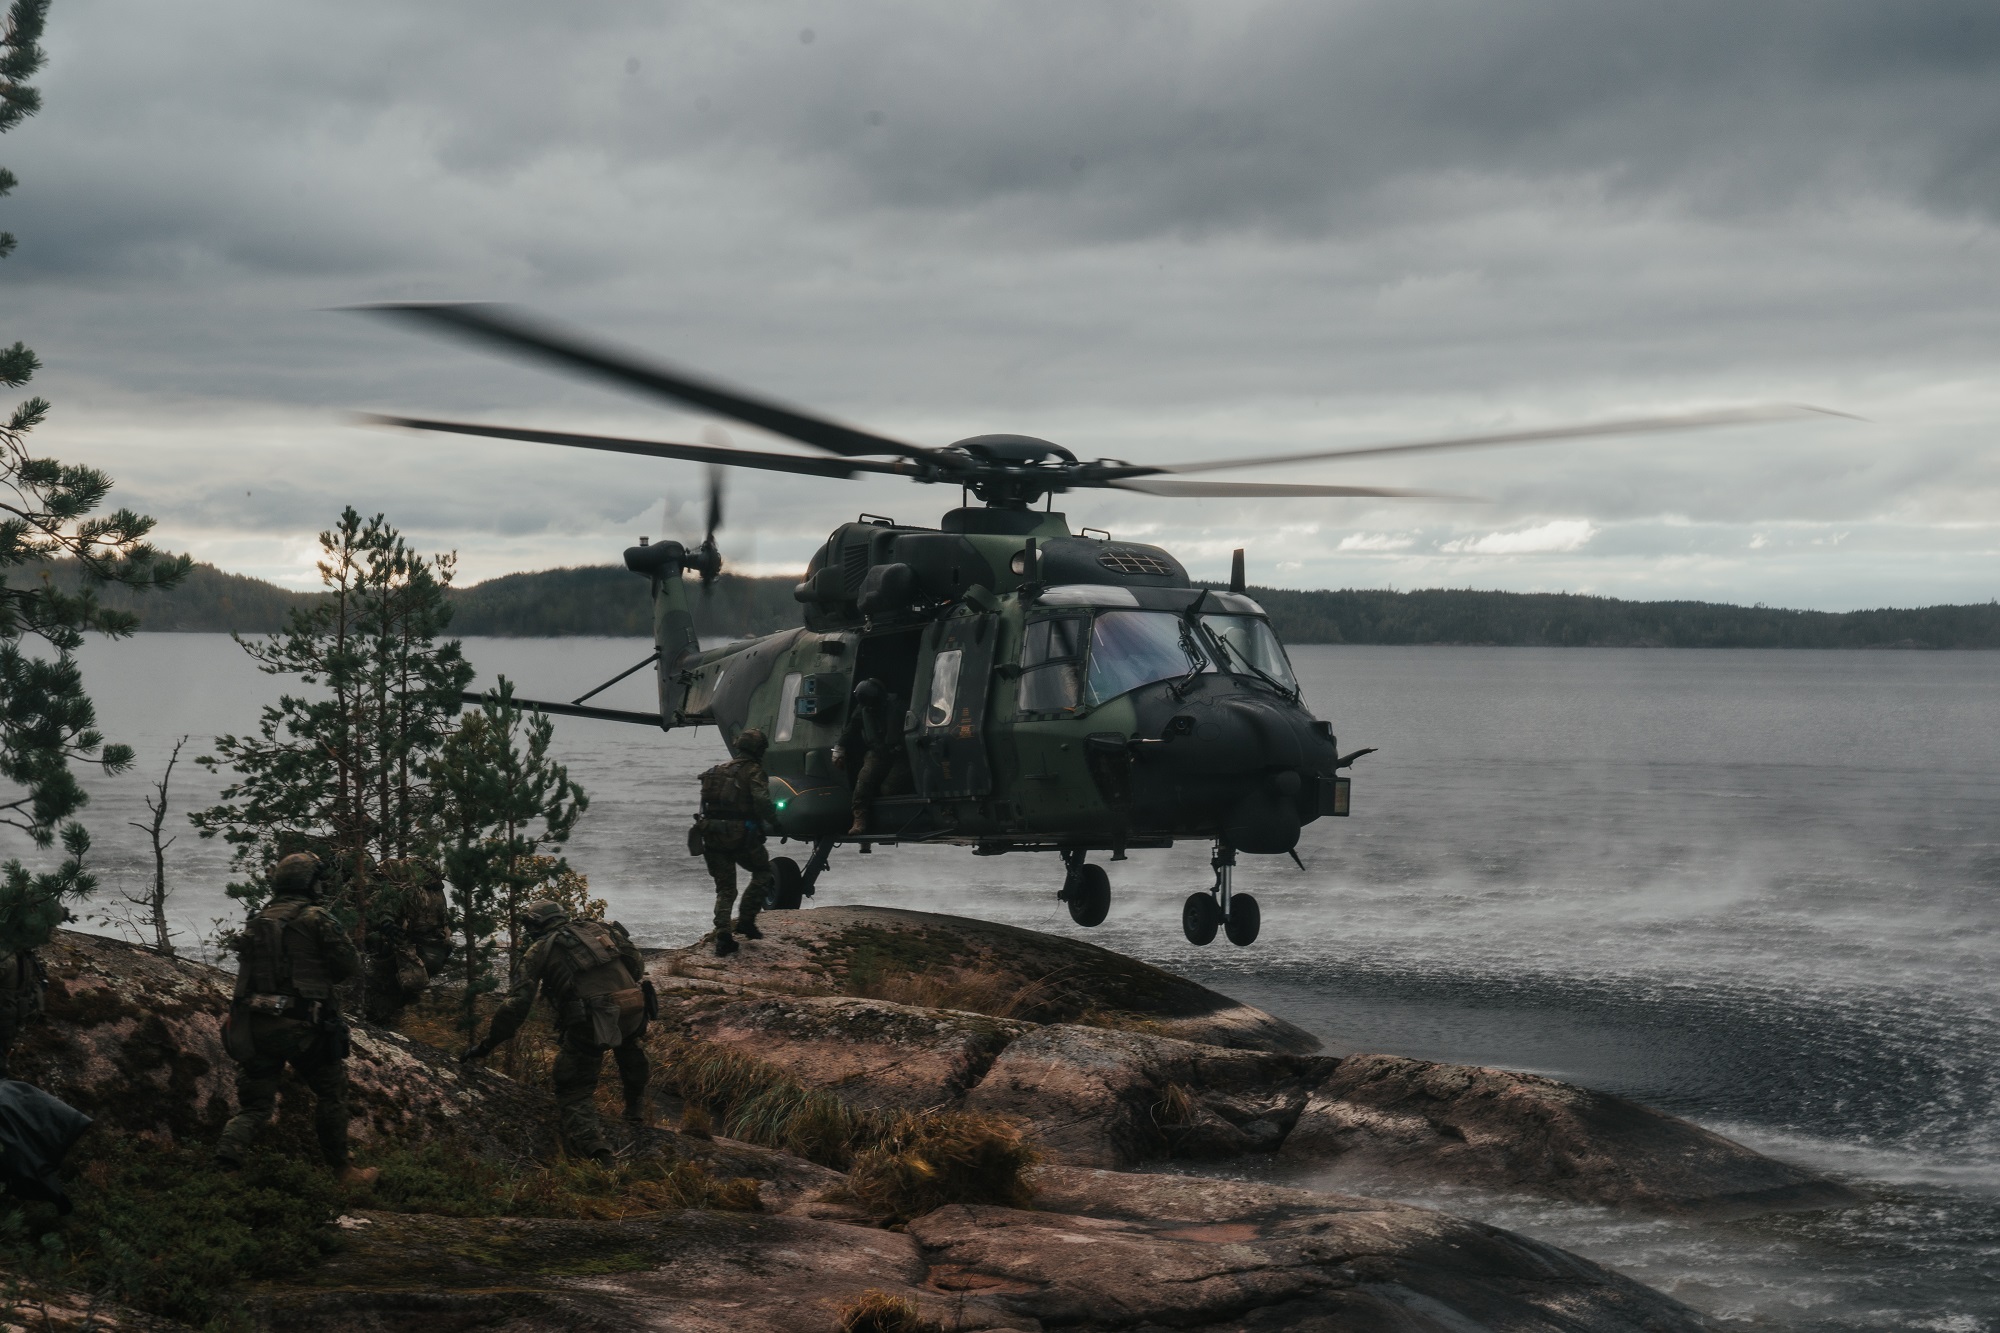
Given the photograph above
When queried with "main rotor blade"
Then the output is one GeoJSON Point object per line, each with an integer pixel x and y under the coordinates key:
{"type": "Point", "coordinates": [1202, 489]}
{"type": "Point", "coordinates": [1729, 416]}
{"type": "Point", "coordinates": [519, 331]}
{"type": "Point", "coordinates": [700, 453]}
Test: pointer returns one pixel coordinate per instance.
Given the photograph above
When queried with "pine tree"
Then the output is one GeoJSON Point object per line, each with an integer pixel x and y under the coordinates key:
{"type": "Point", "coordinates": [504, 800]}
{"type": "Point", "coordinates": [46, 507]}
{"type": "Point", "coordinates": [343, 771]}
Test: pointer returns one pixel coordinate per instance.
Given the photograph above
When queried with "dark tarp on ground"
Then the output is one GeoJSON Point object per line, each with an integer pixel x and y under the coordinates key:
{"type": "Point", "coordinates": [36, 1131]}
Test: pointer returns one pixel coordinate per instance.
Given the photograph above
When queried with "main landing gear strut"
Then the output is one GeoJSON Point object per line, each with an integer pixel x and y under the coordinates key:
{"type": "Point", "coordinates": [790, 885]}
{"type": "Point", "coordinates": [1086, 888]}
{"type": "Point", "coordinates": [1235, 914]}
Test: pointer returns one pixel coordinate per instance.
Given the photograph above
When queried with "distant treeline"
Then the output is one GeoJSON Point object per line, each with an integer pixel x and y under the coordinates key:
{"type": "Point", "coordinates": [600, 599]}
{"type": "Point", "coordinates": [1566, 620]}
{"type": "Point", "coordinates": [608, 600]}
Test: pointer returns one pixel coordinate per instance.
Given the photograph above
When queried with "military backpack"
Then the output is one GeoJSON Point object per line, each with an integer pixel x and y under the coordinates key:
{"type": "Point", "coordinates": [725, 790]}
{"type": "Point", "coordinates": [280, 957]}
{"type": "Point", "coordinates": [600, 986]}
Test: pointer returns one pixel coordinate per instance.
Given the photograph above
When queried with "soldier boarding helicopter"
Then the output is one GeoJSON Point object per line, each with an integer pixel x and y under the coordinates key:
{"type": "Point", "coordinates": [1054, 691]}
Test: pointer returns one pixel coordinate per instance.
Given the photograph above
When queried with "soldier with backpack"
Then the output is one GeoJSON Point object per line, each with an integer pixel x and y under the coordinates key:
{"type": "Point", "coordinates": [736, 812]}
{"type": "Point", "coordinates": [595, 982]}
{"type": "Point", "coordinates": [287, 1011]}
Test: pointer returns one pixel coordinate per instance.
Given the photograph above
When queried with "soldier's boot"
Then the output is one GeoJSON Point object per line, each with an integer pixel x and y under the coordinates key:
{"type": "Point", "coordinates": [225, 1163]}
{"type": "Point", "coordinates": [746, 926]}
{"type": "Point", "coordinates": [635, 1110]}
{"type": "Point", "coordinates": [360, 1177]}
{"type": "Point", "coordinates": [725, 944]}
{"type": "Point", "coordinates": [604, 1158]}
{"type": "Point", "coordinates": [860, 824]}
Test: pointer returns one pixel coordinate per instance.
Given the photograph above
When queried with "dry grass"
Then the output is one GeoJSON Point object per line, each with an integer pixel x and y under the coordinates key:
{"type": "Point", "coordinates": [876, 1311]}
{"type": "Point", "coordinates": [450, 1180]}
{"type": "Point", "coordinates": [997, 994]}
{"type": "Point", "coordinates": [759, 1103]}
{"type": "Point", "coordinates": [928, 1159]}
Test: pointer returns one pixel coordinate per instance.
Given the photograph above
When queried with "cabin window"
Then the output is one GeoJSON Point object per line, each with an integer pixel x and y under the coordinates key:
{"type": "Point", "coordinates": [944, 688]}
{"type": "Point", "coordinates": [1133, 648]}
{"type": "Point", "coordinates": [1052, 664]}
{"type": "Point", "coordinates": [788, 702]}
{"type": "Point", "coordinates": [1249, 648]}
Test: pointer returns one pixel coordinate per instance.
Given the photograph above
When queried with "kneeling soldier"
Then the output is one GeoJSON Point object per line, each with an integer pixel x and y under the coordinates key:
{"type": "Point", "coordinates": [286, 1012]}
{"type": "Point", "coordinates": [593, 978]}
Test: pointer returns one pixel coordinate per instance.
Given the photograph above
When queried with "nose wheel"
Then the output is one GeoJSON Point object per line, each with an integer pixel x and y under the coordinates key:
{"type": "Point", "coordinates": [1235, 914]}
{"type": "Point", "coordinates": [1087, 891]}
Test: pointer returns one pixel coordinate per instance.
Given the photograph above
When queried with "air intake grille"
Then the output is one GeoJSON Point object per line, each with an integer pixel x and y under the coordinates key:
{"type": "Point", "coordinates": [1134, 560]}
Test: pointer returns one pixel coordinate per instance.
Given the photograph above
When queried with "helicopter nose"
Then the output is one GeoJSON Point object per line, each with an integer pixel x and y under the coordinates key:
{"type": "Point", "coordinates": [1250, 759]}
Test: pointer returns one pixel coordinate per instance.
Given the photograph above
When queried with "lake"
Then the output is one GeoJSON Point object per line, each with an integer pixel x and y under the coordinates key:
{"type": "Point", "coordinates": [1753, 888]}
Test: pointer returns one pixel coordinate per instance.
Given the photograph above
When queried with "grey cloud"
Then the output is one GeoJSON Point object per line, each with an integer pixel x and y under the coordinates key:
{"type": "Point", "coordinates": [1149, 231]}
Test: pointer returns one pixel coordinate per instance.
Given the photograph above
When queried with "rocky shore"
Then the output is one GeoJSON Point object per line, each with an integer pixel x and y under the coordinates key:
{"type": "Point", "coordinates": [1141, 1090]}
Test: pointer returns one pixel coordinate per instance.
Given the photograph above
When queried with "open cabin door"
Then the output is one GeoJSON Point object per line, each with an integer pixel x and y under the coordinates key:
{"type": "Point", "coordinates": [949, 708]}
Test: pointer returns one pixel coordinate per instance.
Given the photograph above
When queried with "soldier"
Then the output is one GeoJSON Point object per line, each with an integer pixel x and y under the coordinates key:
{"type": "Point", "coordinates": [408, 939]}
{"type": "Point", "coordinates": [736, 811]}
{"type": "Point", "coordinates": [594, 981]}
{"type": "Point", "coordinates": [870, 747]}
{"type": "Point", "coordinates": [22, 982]}
{"type": "Point", "coordinates": [286, 1011]}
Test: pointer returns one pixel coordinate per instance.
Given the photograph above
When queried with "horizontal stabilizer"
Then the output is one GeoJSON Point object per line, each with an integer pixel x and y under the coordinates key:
{"type": "Point", "coordinates": [570, 710]}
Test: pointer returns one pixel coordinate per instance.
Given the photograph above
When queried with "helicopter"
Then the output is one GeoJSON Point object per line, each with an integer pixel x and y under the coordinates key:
{"type": "Point", "coordinates": [1060, 691]}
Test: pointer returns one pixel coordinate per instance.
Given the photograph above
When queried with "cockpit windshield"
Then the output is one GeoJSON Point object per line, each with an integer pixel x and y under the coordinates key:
{"type": "Point", "coordinates": [1250, 648]}
{"type": "Point", "coordinates": [1070, 662]}
{"type": "Point", "coordinates": [1133, 648]}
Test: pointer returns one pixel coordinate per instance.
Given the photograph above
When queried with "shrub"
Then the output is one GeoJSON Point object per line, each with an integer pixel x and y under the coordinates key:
{"type": "Point", "coordinates": [876, 1311]}
{"type": "Point", "coordinates": [165, 1232]}
{"type": "Point", "coordinates": [929, 1159]}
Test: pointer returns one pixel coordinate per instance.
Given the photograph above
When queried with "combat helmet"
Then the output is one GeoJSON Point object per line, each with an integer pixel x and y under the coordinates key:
{"type": "Point", "coordinates": [297, 876]}
{"type": "Point", "coordinates": [750, 743]}
{"type": "Point", "coordinates": [541, 918]}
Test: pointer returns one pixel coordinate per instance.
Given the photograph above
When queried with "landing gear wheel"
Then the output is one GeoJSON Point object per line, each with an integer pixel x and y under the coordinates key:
{"type": "Point", "coordinates": [1089, 895]}
{"type": "Point", "coordinates": [1200, 918]}
{"type": "Point", "coordinates": [787, 886]}
{"type": "Point", "coordinates": [1244, 919]}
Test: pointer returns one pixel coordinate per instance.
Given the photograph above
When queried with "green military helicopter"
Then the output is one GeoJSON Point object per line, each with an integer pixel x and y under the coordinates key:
{"type": "Point", "coordinates": [1057, 691]}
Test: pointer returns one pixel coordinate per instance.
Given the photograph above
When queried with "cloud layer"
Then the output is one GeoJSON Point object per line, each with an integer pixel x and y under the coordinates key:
{"type": "Point", "coordinates": [1148, 231]}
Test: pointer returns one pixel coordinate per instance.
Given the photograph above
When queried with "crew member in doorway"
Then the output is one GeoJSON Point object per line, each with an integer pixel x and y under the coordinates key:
{"type": "Point", "coordinates": [870, 747]}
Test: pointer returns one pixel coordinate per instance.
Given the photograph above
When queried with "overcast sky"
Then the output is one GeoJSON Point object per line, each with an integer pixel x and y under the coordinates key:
{"type": "Point", "coordinates": [1151, 231]}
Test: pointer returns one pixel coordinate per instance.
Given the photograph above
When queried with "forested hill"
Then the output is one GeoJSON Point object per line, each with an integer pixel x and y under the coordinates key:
{"type": "Point", "coordinates": [607, 600]}
{"type": "Point", "coordinates": [1566, 620]}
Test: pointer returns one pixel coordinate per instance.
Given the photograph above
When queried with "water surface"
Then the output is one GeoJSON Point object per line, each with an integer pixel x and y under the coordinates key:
{"type": "Point", "coordinates": [1753, 888]}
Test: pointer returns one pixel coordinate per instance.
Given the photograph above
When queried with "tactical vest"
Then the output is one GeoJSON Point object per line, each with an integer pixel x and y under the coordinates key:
{"type": "Point", "coordinates": [280, 957]}
{"type": "Point", "coordinates": [725, 790]}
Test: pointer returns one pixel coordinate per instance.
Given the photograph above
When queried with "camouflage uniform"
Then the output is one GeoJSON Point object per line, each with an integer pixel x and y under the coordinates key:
{"type": "Point", "coordinates": [592, 976]}
{"type": "Point", "coordinates": [408, 944]}
{"type": "Point", "coordinates": [286, 1011]}
{"type": "Point", "coordinates": [874, 740]}
{"type": "Point", "coordinates": [736, 810]}
{"type": "Point", "coordinates": [22, 982]}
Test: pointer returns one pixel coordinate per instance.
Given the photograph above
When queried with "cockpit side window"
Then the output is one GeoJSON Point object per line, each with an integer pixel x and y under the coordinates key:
{"type": "Point", "coordinates": [1052, 664]}
{"type": "Point", "coordinates": [1250, 648]}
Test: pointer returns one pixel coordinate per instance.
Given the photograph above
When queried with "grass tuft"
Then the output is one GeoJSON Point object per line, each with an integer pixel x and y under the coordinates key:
{"type": "Point", "coordinates": [928, 1159]}
{"type": "Point", "coordinates": [998, 994]}
{"type": "Point", "coordinates": [450, 1180]}
{"type": "Point", "coordinates": [876, 1311]}
{"type": "Point", "coordinates": [760, 1103]}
